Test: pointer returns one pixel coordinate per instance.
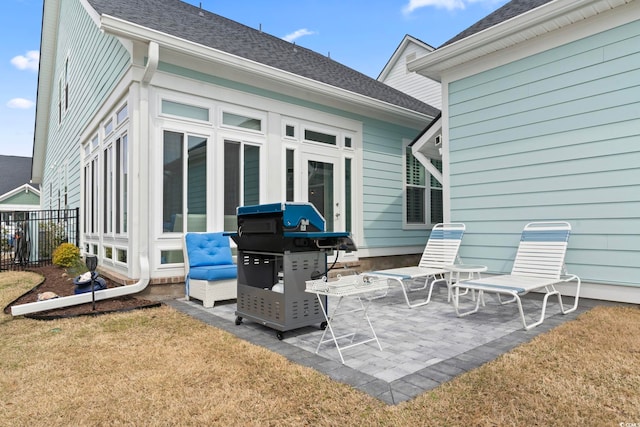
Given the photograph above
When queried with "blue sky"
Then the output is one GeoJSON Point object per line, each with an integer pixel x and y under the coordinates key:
{"type": "Point", "coordinates": [361, 34]}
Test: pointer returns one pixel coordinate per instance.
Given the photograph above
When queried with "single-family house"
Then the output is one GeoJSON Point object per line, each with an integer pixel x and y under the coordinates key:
{"type": "Point", "coordinates": [158, 117]}
{"type": "Point", "coordinates": [17, 193]}
{"type": "Point", "coordinates": [541, 120]}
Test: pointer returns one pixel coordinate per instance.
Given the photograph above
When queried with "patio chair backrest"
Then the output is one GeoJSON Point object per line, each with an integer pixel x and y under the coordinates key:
{"type": "Point", "coordinates": [542, 249]}
{"type": "Point", "coordinates": [443, 245]}
{"type": "Point", "coordinates": [207, 249]}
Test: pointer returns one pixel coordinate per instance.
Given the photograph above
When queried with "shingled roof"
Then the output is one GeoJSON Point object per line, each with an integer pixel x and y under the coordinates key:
{"type": "Point", "coordinates": [506, 12]}
{"type": "Point", "coordinates": [15, 171]}
{"type": "Point", "coordinates": [179, 19]}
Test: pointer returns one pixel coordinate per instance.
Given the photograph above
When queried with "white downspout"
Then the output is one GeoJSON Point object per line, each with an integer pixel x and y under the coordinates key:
{"type": "Point", "coordinates": [140, 285]}
{"type": "Point", "coordinates": [68, 301]}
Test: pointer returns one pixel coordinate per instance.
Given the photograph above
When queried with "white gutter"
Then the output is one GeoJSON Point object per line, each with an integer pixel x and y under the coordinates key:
{"type": "Point", "coordinates": [68, 301]}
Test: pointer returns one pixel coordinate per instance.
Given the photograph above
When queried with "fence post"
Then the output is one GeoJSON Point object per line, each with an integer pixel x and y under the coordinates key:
{"type": "Point", "coordinates": [78, 227]}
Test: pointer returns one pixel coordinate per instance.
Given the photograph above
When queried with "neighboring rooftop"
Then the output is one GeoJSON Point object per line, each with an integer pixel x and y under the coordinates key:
{"type": "Point", "coordinates": [179, 19]}
{"type": "Point", "coordinates": [15, 171]}
{"type": "Point", "coordinates": [510, 10]}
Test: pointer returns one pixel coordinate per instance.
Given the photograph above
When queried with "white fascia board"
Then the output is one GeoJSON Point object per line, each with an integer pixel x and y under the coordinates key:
{"type": "Point", "coordinates": [23, 188]}
{"type": "Point", "coordinates": [126, 29]}
{"type": "Point", "coordinates": [546, 18]}
{"type": "Point", "coordinates": [46, 72]}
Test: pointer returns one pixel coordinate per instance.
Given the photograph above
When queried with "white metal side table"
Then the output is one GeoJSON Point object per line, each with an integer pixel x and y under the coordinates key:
{"type": "Point", "coordinates": [356, 286]}
{"type": "Point", "coordinates": [472, 272]}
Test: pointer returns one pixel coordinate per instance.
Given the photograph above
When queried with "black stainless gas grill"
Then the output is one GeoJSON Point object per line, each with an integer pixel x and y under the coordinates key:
{"type": "Point", "coordinates": [280, 247]}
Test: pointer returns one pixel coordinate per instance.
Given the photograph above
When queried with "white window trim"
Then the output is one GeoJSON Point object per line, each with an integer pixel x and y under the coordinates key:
{"type": "Point", "coordinates": [186, 131]}
{"type": "Point", "coordinates": [427, 199]}
{"type": "Point", "coordinates": [320, 129]}
{"type": "Point", "coordinates": [345, 135]}
{"type": "Point", "coordinates": [246, 112]}
{"type": "Point", "coordinates": [296, 126]}
{"type": "Point", "coordinates": [115, 256]}
{"type": "Point", "coordinates": [182, 98]}
{"type": "Point", "coordinates": [125, 121]}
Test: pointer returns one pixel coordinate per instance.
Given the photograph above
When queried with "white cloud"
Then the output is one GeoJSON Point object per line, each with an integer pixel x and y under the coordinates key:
{"type": "Point", "coordinates": [297, 34]}
{"type": "Point", "coordinates": [20, 103]}
{"type": "Point", "coordinates": [440, 4]}
{"type": "Point", "coordinates": [29, 61]}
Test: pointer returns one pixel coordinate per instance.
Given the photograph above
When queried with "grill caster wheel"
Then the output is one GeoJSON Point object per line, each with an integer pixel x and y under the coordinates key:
{"type": "Point", "coordinates": [280, 335]}
{"type": "Point", "coordinates": [238, 320]}
{"type": "Point", "coordinates": [323, 326]}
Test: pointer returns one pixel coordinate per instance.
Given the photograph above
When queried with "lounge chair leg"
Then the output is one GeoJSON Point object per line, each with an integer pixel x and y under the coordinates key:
{"type": "Point", "coordinates": [524, 321]}
{"type": "Point", "coordinates": [414, 305]}
{"type": "Point", "coordinates": [421, 303]}
{"type": "Point", "coordinates": [507, 301]}
{"type": "Point", "coordinates": [420, 288]}
{"type": "Point", "coordinates": [576, 298]}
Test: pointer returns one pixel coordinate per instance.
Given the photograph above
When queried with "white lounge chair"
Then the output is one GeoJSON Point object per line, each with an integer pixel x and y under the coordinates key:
{"type": "Point", "coordinates": [538, 266]}
{"type": "Point", "coordinates": [441, 250]}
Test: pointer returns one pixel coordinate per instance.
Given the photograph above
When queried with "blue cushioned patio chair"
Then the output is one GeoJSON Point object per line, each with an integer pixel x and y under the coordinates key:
{"type": "Point", "coordinates": [210, 274]}
{"type": "Point", "coordinates": [538, 266]}
{"type": "Point", "coordinates": [441, 250]}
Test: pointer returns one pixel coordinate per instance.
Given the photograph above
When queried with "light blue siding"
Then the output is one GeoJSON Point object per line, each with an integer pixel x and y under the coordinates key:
{"type": "Point", "coordinates": [554, 136]}
{"type": "Point", "coordinates": [96, 62]}
{"type": "Point", "coordinates": [383, 175]}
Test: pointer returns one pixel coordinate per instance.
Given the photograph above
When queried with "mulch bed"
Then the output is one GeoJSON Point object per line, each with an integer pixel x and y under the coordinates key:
{"type": "Point", "coordinates": [57, 281]}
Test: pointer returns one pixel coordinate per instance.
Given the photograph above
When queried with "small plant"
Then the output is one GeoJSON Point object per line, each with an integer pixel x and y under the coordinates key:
{"type": "Point", "coordinates": [66, 255]}
{"type": "Point", "coordinates": [4, 239]}
{"type": "Point", "coordinates": [78, 268]}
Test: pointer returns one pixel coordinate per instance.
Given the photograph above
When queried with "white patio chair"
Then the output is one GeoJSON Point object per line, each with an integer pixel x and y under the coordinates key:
{"type": "Point", "coordinates": [538, 266]}
{"type": "Point", "coordinates": [441, 250]}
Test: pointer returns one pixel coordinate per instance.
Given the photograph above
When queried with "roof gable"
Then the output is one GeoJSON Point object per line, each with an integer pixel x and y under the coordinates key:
{"type": "Point", "coordinates": [23, 195]}
{"type": "Point", "coordinates": [400, 53]}
{"type": "Point", "coordinates": [199, 26]}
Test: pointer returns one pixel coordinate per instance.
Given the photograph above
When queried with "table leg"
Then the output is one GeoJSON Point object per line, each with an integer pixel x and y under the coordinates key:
{"type": "Point", "coordinates": [330, 318]}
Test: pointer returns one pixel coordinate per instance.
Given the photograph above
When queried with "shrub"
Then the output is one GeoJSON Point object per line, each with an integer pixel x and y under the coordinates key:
{"type": "Point", "coordinates": [66, 255]}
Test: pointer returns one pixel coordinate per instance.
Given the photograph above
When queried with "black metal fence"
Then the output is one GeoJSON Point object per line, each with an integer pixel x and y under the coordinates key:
{"type": "Point", "coordinates": [28, 238]}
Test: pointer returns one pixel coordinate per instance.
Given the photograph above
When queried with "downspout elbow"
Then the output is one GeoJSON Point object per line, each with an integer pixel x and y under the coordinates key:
{"type": "Point", "coordinates": [153, 58]}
